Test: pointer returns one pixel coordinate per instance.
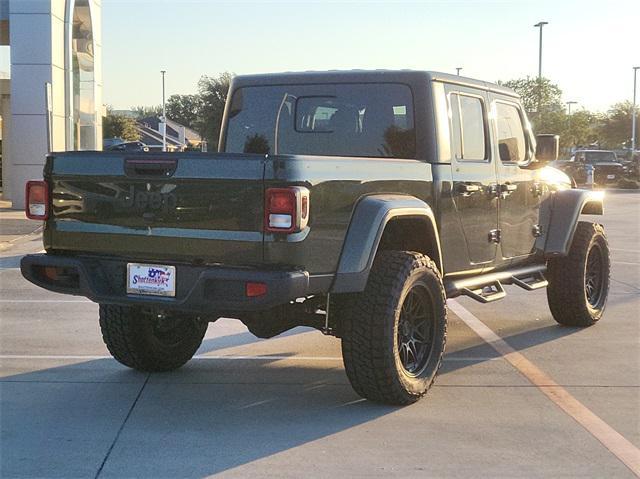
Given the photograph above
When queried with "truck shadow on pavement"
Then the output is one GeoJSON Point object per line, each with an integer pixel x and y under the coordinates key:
{"type": "Point", "coordinates": [213, 415]}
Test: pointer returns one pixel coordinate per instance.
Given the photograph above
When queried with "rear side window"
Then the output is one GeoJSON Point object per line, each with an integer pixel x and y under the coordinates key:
{"type": "Point", "coordinates": [601, 156]}
{"type": "Point", "coordinates": [512, 144]}
{"type": "Point", "coordinates": [468, 122]}
{"type": "Point", "coordinates": [370, 120]}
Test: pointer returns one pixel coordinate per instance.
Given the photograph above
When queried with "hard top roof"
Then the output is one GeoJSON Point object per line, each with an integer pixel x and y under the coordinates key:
{"type": "Point", "coordinates": [365, 76]}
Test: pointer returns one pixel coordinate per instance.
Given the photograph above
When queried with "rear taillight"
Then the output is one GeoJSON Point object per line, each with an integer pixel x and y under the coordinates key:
{"type": "Point", "coordinates": [37, 200]}
{"type": "Point", "coordinates": [253, 290]}
{"type": "Point", "coordinates": [286, 209]}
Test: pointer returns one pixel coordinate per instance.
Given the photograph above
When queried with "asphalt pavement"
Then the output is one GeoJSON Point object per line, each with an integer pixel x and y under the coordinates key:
{"type": "Point", "coordinates": [283, 407]}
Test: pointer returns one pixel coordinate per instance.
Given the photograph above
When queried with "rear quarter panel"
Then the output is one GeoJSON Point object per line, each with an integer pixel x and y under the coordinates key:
{"type": "Point", "coordinates": [336, 184]}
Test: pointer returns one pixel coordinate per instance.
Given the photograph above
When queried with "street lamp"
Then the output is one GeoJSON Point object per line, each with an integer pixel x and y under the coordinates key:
{"type": "Point", "coordinates": [633, 114]}
{"type": "Point", "coordinates": [569, 103]}
{"type": "Point", "coordinates": [540, 25]}
{"type": "Point", "coordinates": [458, 70]}
{"type": "Point", "coordinates": [164, 115]}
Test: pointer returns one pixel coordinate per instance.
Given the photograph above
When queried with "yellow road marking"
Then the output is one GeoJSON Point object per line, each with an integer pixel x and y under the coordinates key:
{"type": "Point", "coordinates": [621, 447]}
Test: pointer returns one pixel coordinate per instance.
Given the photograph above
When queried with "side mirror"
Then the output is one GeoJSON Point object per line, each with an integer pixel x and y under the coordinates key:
{"type": "Point", "coordinates": [547, 148]}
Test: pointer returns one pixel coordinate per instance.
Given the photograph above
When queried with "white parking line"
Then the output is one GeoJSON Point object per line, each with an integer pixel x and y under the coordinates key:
{"type": "Point", "coordinates": [620, 446]}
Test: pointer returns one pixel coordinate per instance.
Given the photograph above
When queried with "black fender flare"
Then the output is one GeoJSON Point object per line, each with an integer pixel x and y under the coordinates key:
{"type": "Point", "coordinates": [369, 219]}
{"type": "Point", "coordinates": [567, 207]}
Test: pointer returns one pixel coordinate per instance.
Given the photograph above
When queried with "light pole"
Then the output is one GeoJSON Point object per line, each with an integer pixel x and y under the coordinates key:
{"type": "Point", "coordinates": [164, 115]}
{"type": "Point", "coordinates": [458, 70]}
{"type": "Point", "coordinates": [540, 25]}
{"type": "Point", "coordinates": [633, 114]}
{"type": "Point", "coordinates": [569, 103]}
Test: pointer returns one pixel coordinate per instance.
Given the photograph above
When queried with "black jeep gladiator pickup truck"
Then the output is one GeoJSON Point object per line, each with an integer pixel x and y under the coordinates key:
{"type": "Point", "coordinates": [352, 202]}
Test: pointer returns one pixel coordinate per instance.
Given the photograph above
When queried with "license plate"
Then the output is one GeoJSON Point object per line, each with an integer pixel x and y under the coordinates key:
{"type": "Point", "coordinates": [611, 177]}
{"type": "Point", "coordinates": [151, 279]}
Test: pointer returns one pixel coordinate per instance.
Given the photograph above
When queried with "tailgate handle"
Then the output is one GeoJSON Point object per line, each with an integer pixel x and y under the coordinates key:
{"type": "Point", "coordinates": [150, 167]}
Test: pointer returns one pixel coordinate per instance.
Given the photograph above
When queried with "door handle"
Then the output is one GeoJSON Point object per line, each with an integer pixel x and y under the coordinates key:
{"type": "Point", "coordinates": [536, 190]}
{"type": "Point", "coordinates": [467, 189]}
{"type": "Point", "coordinates": [506, 189]}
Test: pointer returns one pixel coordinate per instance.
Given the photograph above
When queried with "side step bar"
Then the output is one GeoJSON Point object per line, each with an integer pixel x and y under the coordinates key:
{"type": "Point", "coordinates": [486, 294]}
{"type": "Point", "coordinates": [488, 287]}
{"type": "Point", "coordinates": [529, 282]}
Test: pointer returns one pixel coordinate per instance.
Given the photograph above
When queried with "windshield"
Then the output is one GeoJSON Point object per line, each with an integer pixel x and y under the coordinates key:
{"type": "Point", "coordinates": [600, 156]}
{"type": "Point", "coordinates": [371, 120]}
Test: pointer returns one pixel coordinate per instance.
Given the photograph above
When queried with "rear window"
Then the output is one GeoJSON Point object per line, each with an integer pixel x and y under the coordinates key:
{"type": "Point", "coordinates": [371, 120]}
{"type": "Point", "coordinates": [600, 156]}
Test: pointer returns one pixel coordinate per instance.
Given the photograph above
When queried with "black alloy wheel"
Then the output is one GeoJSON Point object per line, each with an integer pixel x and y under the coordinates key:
{"type": "Point", "coordinates": [415, 330]}
{"type": "Point", "coordinates": [594, 276]}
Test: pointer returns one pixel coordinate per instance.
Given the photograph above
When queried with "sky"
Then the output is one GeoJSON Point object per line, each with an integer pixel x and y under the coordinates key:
{"type": "Point", "coordinates": [589, 47]}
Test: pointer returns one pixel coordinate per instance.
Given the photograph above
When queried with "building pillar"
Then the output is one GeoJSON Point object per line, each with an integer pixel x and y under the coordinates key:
{"type": "Point", "coordinates": [5, 113]}
{"type": "Point", "coordinates": [37, 57]}
{"type": "Point", "coordinates": [40, 41]}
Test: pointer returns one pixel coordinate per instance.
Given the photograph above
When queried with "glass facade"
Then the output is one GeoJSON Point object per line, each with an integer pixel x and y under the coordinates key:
{"type": "Point", "coordinates": [83, 135]}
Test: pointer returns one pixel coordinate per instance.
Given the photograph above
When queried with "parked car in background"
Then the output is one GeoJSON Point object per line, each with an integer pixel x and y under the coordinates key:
{"type": "Point", "coordinates": [607, 168]}
{"type": "Point", "coordinates": [129, 146]}
{"type": "Point", "coordinates": [632, 166]}
{"type": "Point", "coordinates": [107, 143]}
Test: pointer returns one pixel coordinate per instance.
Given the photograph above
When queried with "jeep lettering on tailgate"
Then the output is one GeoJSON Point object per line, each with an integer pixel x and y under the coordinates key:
{"type": "Point", "coordinates": [142, 201]}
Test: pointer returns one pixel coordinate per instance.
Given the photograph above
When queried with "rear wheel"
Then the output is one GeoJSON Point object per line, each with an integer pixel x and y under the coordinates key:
{"type": "Point", "coordinates": [579, 282]}
{"type": "Point", "coordinates": [394, 333]}
{"type": "Point", "coordinates": [148, 341]}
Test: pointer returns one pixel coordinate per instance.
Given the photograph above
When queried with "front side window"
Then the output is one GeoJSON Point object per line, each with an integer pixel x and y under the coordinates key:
{"type": "Point", "coordinates": [512, 145]}
{"type": "Point", "coordinates": [469, 127]}
{"type": "Point", "coordinates": [369, 120]}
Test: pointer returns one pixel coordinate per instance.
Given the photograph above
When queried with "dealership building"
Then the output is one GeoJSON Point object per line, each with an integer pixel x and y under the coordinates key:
{"type": "Point", "coordinates": [50, 85]}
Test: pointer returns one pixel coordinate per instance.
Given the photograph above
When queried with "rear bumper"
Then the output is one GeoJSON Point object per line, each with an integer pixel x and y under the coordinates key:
{"type": "Point", "coordinates": [199, 289]}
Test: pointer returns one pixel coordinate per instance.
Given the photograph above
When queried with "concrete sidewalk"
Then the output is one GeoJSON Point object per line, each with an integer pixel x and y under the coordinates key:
{"type": "Point", "coordinates": [15, 228]}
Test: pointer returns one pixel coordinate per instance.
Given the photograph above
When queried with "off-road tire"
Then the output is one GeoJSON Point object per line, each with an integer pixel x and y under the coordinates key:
{"type": "Point", "coordinates": [133, 339]}
{"type": "Point", "coordinates": [369, 322]}
{"type": "Point", "coordinates": [567, 292]}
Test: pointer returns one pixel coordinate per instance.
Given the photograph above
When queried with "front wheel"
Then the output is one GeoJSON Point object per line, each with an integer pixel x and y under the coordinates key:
{"type": "Point", "coordinates": [579, 282]}
{"type": "Point", "coordinates": [150, 341]}
{"type": "Point", "coordinates": [394, 333]}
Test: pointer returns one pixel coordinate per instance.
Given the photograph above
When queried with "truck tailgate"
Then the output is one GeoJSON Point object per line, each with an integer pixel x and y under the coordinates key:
{"type": "Point", "coordinates": [177, 207]}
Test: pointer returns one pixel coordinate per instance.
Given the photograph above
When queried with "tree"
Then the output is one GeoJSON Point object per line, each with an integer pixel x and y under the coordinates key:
{"type": "Point", "coordinates": [537, 95]}
{"type": "Point", "coordinates": [549, 115]}
{"type": "Point", "coordinates": [119, 126]}
{"type": "Point", "coordinates": [213, 94]}
{"type": "Point", "coordinates": [257, 143]}
{"type": "Point", "coordinates": [186, 110]}
{"type": "Point", "coordinates": [201, 111]}
{"type": "Point", "coordinates": [542, 101]}
{"type": "Point", "coordinates": [581, 129]}
{"type": "Point", "coordinates": [615, 128]}
{"type": "Point", "coordinates": [146, 111]}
